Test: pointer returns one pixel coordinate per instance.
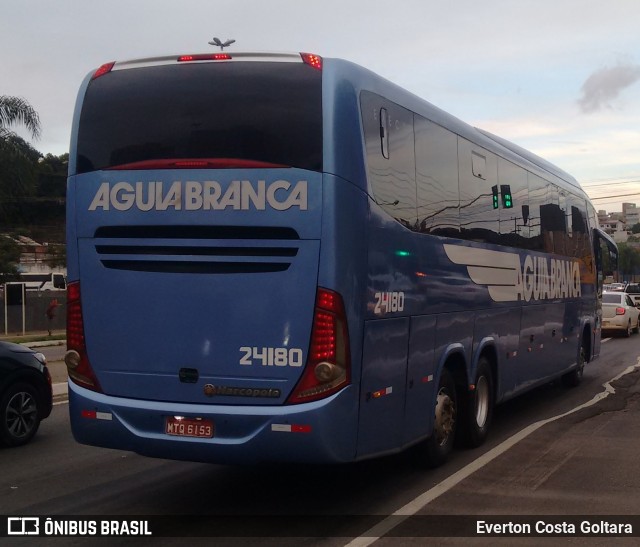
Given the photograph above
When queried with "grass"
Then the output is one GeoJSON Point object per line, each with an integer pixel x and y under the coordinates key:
{"type": "Point", "coordinates": [33, 338]}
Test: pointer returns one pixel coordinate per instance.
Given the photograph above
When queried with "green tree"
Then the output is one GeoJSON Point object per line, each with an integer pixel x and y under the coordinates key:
{"type": "Point", "coordinates": [17, 157]}
{"type": "Point", "coordinates": [57, 255]}
{"type": "Point", "coordinates": [628, 259]}
{"type": "Point", "coordinates": [17, 170]}
{"type": "Point", "coordinates": [635, 229]}
{"type": "Point", "coordinates": [9, 258]}
{"type": "Point", "coordinates": [52, 175]}
{"type": "Point", "coordinates": [15, 110]}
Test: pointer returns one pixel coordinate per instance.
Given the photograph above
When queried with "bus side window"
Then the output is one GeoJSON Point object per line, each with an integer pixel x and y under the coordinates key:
{"type": "Point", "coordinates": [384, 132]}
{"type": "Point", "coordinates": [479, 165]}
{"type": "Point", "coordinates": [390, 148]}
{"type": "Point", "coordinates": [552, 221]}
{"type": "Point", "coordinates": [437, 179]}
{"type": "Point", "coordinates": [478, 174]}
{"type": "Point", "coordinates": [566, 214]}
{"type": "Point", "coordinates": [514, 208]}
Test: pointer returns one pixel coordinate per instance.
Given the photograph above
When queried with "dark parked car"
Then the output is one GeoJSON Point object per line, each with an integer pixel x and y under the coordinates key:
{"type": "Point", "coordinates": [25, 393]}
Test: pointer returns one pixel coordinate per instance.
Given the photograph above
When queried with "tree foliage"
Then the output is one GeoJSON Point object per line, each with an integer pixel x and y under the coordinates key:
{"type": "Point", "coordinates": [17, 111]}
{"type": "Point", "coordinates": [9, 258]}
{"type": "Point", "coordinates": [18, 176]}
{"type": "Point", "coordinates": [628, 259]}
{"type": "Point", "coordinates": [18, 172]}
{"type": "Point", "coordinates": [17, 157]}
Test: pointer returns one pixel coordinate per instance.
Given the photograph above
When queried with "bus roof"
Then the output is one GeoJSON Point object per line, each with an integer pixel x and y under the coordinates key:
{"type": "Point", "coordinates": [339, 74]}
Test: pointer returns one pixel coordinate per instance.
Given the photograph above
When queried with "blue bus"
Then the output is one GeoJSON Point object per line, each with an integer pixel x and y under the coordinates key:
{"type": "Point", "coordinates": [287, 258]}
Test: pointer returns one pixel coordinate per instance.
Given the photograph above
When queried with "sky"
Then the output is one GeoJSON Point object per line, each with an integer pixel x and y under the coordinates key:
{"type": "Point", "coordinates": [558, 77]}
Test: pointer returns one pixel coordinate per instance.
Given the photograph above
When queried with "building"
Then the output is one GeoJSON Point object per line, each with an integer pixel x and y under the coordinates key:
{"type": "Point", "coordinates": [615, 228]}
{"type": "Point", "coordinates": [631, 214]}
{"type": "Point", "coordinates": [39, 257]}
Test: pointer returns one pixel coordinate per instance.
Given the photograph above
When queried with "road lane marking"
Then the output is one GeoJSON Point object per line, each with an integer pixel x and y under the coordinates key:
{"type": "Point", "coordinates": [385, 526]}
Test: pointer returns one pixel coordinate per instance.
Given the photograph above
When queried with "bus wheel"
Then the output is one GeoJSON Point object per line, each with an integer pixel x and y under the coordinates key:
{"type": "Point", "coordinates": [573, 378]}
{"type": "Point", "coordinates": [478, 408]}
{"type": "Point", "coordinates": [434, 451]}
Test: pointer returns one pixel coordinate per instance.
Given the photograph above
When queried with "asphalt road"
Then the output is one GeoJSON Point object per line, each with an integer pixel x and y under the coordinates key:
{"type": "Point", "coordinates": [54, 352]}
{"type": "Point", "coordinates": [580, 464]}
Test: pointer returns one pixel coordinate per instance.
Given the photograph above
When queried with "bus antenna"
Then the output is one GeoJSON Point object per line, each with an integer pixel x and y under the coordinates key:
{"type": "Point", "coordinates": [217, 42]}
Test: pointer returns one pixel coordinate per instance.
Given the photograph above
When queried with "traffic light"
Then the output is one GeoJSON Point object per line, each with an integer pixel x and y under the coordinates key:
{"type": "Point", "coordinates": [507, 201]}
{"type": "Point", "coordinates": [494, 191]}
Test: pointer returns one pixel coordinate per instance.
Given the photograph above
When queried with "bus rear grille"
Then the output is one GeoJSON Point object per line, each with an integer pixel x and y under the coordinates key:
{"type": "Point", "coordinates": [195, 249]}
{"type": "Point", "coordinates": [185, 266]}
{"type": "Point", "coordinates": [196, 232]}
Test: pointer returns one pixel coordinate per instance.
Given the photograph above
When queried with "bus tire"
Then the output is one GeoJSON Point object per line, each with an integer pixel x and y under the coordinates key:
{"type": "Point", "coordinates": [478, 407]}
{"type": "Point", "coordinates": [434, 451]}
{"type": "Point", "coordinates": [573, 378]}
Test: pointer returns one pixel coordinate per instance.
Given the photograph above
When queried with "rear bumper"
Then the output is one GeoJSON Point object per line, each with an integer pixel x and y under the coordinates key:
{"type": "Point", "coordinates": [318, 432]}
{"type": "Point", "coordinates": [618, 323]}
{"type": "Point", "coordinates": [46, 398]}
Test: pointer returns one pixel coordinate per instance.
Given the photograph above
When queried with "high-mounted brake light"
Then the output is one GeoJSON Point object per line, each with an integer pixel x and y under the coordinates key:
{"type": "Point", "coordinates": [204, 57]}
{"type": "Point", "coordinates": [312, 60]}
{"type": "Point", "coordinates": [104, 69]}
{"type": "Point", "coordinates": [328, 367]}
{"type": "Point", "coordinates": [78, 366]}
{"type": "Point", "coordinates": [197, 163]}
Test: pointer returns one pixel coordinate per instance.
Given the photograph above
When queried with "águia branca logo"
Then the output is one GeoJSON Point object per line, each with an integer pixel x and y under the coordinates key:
{"type": "Point", "coordinates": [209, 195]}
{"type": "Point", "coordinates": [537, 278]}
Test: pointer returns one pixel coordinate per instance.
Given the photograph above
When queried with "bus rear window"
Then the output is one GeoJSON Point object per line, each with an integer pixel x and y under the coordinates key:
{"type": "Point", "coordinates": [256, 113]}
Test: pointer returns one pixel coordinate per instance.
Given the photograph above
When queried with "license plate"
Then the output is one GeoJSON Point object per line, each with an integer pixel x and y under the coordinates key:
{"type": "Point", "coordinates": [188, 427]}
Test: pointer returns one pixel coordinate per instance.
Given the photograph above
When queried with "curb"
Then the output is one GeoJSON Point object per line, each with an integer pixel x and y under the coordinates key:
{"type": "Point", "coordinates": [60, 392]}
{"type": "Point", "coordinates": [44, 343]}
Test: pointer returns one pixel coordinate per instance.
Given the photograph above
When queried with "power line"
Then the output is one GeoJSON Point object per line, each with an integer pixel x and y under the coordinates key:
{"type": "Point", "coordinates": [618, 196]}
{"type": "Point", "coordinates": [622, 178]}
{"type": "Point", "coordinates": [607, 184]}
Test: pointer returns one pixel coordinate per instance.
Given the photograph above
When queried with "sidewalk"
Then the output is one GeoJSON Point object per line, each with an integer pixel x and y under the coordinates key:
{"type": "Point", "coordinates": [57, 369]}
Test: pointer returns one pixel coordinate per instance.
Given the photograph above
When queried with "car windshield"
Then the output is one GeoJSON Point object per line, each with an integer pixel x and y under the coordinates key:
{"type": "Point", "coordinates": [611, 298]}
{"type": "Point", "coordinates": [633, 289]}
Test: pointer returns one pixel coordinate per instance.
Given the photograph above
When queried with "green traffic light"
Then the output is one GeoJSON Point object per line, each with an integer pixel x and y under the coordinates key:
{"type": "Point", "coordinates": [505, 191]}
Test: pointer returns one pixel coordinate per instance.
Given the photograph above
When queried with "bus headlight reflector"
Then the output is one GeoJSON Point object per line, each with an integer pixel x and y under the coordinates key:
{"type": "Point", "coordinates": [325, 372]}
{"type": "Point", "coordinates": [72, 359]}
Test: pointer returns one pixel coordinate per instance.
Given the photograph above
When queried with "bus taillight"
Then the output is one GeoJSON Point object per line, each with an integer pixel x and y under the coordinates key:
{"type": "Point", "coordinates": [78, 366]}
{"type": "Point", "coordinates": [104, 69]}
{"type": "Point", "coordinates": [328, 367]}
{"type": "Point", "coordinates": [312, 60]}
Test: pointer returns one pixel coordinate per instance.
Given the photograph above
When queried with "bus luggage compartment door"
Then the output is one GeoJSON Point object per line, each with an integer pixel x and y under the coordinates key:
{"type": "Point", "coordinates": [382, 394]}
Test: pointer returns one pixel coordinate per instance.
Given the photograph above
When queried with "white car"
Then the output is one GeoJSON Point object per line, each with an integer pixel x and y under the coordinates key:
{"type": "Point", "coordinates": [619, 313]}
